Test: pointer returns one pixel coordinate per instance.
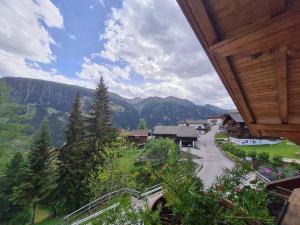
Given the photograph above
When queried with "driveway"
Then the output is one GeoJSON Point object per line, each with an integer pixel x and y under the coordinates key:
{"type": "Point", "coordinates": [213, 161]}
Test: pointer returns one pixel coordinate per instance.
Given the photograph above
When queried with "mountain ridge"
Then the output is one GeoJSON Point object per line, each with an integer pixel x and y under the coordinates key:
{"type": "Point", "coordinates": [54, 101]}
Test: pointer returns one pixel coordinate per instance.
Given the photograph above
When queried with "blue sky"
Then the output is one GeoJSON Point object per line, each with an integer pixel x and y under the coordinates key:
{"type": "Point", "coordinates": [141, 47]}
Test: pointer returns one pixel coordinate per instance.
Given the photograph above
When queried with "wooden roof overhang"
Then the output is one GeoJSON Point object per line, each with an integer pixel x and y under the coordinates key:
{"type": "Point", "coordinates": [254, 45]}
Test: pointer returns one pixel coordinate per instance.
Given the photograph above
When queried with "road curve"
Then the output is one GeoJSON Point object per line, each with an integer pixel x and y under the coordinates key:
{"type": "Point", "coordinates": [214, 162]}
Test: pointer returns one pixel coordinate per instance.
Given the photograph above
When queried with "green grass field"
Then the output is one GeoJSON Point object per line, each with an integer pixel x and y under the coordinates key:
{"type": "Point", "coordinates": [221, 135]}
{"type": "Point", "coordinates": [285, 149]}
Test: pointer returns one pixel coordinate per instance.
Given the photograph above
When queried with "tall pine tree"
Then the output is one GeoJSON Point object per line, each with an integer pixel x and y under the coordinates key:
{"type": "Point", "coordinates": [39, 157]}
{"type": "Point", "coordinates": [99, 125]}
{"type": "Point", "coordinates": [72, 157]}
{"type": "Point", "coordinates": [75, 131]}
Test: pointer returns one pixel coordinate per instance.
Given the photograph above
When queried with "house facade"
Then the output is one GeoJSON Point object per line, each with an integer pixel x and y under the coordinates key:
{"type": "Point", "coordinates": [138, 137]}
{"type": "Point", "coordinates": [198, 124]}
{"type": "Point", "coordinates": [184, 136]}
{"type": "Point", "coordinates": [239, 133]}
{"type": "Point", "coordinates": [214, 120]}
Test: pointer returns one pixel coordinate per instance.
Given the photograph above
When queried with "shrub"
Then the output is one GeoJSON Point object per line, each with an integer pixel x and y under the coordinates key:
{"type": "Point", "coordinates": [239, 153]}
{"type": "Point", "coordinates": [277, 160]}
{"type": "Point", "coordinates": [252, 154]}
{"type": "Point", "coordinates": [263, 156]}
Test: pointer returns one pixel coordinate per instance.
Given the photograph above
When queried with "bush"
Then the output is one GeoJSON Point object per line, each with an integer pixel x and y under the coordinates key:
{"type": "Point", "coordinates": [252, 154]}
{"type": "Point", "coordinates": [22, 217]}
{"type": "Point", "coordinates": [263, 156]}
{"type": "Point", "coordinates": [239, 153]}
{"type": "Point", "coordinates": [160, 148]}
{"type": "Point", "coordinates": [277, 160]}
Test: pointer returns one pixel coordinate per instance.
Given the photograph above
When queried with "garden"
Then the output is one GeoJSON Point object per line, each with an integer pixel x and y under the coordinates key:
{"type": "Point", "coordinates": [271, 166]}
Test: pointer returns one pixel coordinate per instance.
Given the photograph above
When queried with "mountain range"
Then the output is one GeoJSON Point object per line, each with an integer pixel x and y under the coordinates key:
{"type": "Point", "coordinates": [54, 101]}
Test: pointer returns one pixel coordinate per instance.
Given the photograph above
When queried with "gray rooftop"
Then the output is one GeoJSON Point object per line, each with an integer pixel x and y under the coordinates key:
{"type": "Point", "coordinates": [179, 131]}
{"type": "Point", "coordinates": [191, 121]}
{"type": "Point", "coordinates": [236, 116]}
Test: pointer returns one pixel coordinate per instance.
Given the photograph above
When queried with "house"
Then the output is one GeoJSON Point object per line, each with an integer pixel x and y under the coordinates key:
{"type": "Point", "coordinates": [184, 136]}
{"type": "Point", "coordinates": [239, 133]}
{"type": "Point", "coordinates": [214, 120]}
{"type": "Point", "coordinates": [198, 124]}
{"type": "Point", "coordinates": [139, 137]}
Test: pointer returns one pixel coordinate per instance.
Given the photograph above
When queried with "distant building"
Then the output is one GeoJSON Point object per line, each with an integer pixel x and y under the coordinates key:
{"type": "Point", "coordinates": [198, 124]}
{"type": "Point", "coordinates": [214, 120]}
{"type": "Point", "coordinates": [139, 137]}
{"type": "Point", "coordinates": [239, 133]}
{"type": "Point", "coordinates": [184, 136]}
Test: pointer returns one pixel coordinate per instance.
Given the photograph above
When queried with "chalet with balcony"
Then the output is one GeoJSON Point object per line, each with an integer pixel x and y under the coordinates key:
{"type": "Point", "coordinates": [235, 126]}
{"type": "Point", "coordinates": [138, 137]}
{"type": "Point", "coordinates": [184, 136]}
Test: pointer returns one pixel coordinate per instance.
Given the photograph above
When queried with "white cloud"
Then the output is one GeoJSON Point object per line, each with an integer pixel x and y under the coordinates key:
{"type": "Point", "coordinates": [72, 36]}
{"type": "Point", "coordinates": [91, 7]}
{"type": "Point", "coordinates": [24, 38]}
{"type": "Point", "coordinates": [154, 40]}
{"type": "Point", "coordinates": [101, 3]}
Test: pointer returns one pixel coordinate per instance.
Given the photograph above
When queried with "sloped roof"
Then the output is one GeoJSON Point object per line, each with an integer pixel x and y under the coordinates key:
{"type": "Point", "coordinates": [254, 47]}
{"type": "Point", "coordinates": [236, 116]}
{"type": "Point", "coordinates": [191, 121]}
{"type": "Point", "coordinates": [137, 133]}
{"type": "Point", "coordinates": [179, 131]}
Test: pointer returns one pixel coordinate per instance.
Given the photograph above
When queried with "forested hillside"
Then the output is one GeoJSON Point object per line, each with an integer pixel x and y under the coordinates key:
{"type": "Point", "coordinates": [53, 101]}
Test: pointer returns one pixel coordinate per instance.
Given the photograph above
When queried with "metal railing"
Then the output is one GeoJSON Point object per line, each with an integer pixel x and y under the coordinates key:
{"type": "Point", "coordinates": [90, 207]}
{"type": "Point", "coordinates": [261, 177]}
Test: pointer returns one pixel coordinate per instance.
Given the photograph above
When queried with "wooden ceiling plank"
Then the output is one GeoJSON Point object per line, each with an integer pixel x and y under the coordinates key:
{"type": "Point", "coordinates": [277, 127]}
{"type": "Point", "coordinates": [281, 65]}
{"type": "Point", "coordinates": [220, 64]}
{"type": "Point", "coordinates": [266, 33]}
{"type": "Point", "coordinates": [203, 20]}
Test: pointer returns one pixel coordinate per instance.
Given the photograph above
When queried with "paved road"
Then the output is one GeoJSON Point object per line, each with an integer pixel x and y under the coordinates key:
{"type": "Point", "coordinates": [214, 162]}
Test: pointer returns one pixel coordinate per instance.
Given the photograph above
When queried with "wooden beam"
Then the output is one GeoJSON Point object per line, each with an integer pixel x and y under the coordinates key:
{"type": "Point", "coordinates": [194, 9]}
{"type": "Point", "coordinates": [281, 64]}
{"type": "Point", "coordinates": [203, 21]}
{"type": "Point", "coordinates": [277, 127]}
{"type": "Point", "coordinates": [279, 31]}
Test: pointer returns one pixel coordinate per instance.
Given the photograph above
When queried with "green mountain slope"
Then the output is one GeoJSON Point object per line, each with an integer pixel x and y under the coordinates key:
{"type": "Point", "coordinates": [54, 101]}
{"type": "Point", "coordinates": [167, 111]}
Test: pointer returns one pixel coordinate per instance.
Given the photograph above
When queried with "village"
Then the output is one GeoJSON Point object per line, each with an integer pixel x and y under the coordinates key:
{"type": "Point", "coordinates": [150, 112]}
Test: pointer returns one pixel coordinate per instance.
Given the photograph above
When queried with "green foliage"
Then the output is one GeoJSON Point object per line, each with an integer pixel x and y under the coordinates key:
{"type": "Point", "coordinates": [142, 125]}
{"type": "Point", "coordinates": [286, 149]}
{"type": "Point", "coordinates": [75, 131]}
{"type": "Point", "coordinates": [99, 126]}
{"type": "Point", "coordinates": [117, 171]}
{"type": "Point", "coordinates": [126, 214]}
{"type": "Point", "coordinates": [12, 128]}
{"type": "Point", "coordinates": [12, 178]}
{"type": "Point", "coordinates": [277, 160]}
{"type": "Point", "coordinates": [252, 154]}
{"type": "Point", "coordinates": [248, 202]}
{"type": "Point", "coordinates": [38, 180]}
{"type": "Point", "coordinates": [160, 149]}
{"type": "Point", "coordinates": [72, 170]}
{"type": "Point", "coordinates": [263, 156]}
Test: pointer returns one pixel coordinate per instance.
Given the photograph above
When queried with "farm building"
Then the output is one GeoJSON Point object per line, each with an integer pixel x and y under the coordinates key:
{"type": "Point", "coordinates": [184, 136]}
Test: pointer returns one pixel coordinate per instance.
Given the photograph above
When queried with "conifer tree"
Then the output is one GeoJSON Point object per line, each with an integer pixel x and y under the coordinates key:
{"type": "Point", "coordinates": [75, 129]}
{"type": "Point", "coordinates": [39, 158]}
{"type": "Point", "coordinates": [72, 157]}
{"type": "Point", "coordinates": [142, 125]}
{"type": "Point", "coordinates": [12, 179]}
{"type": "Point", "coordinates": [99, 125]}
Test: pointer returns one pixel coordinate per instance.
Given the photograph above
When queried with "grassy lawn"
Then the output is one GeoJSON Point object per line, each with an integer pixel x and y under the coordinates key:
{"type": "Point", "coordinates": [51, 221]}
{"type": "Point", "coordinates": [285, 149]}
{"type": "Point", "coordinates": [221, 135]}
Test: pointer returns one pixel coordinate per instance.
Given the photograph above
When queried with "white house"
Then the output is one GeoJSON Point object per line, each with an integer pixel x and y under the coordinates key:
{"type": "Point", "coordinates": [215, 120]}
{"type": "Point", "coordinates": [198, 124]}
